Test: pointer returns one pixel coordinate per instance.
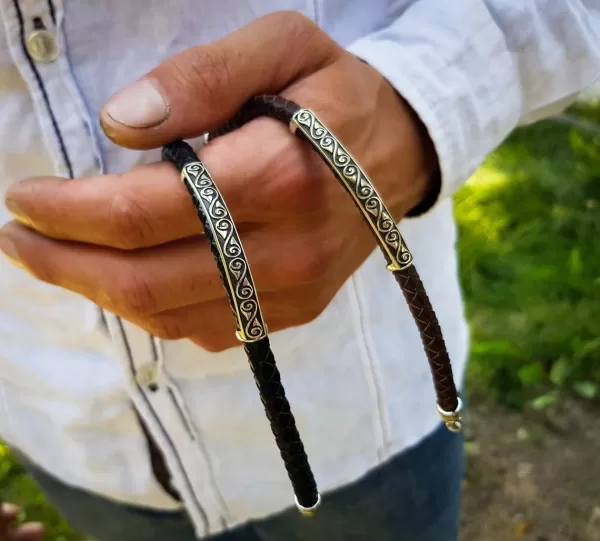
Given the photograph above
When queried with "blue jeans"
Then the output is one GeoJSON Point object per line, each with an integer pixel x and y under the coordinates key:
{"type": "Point", "coordinates": [415, 496]}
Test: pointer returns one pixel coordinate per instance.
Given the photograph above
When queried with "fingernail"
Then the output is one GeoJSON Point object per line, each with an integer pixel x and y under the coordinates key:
{"type": "Point", "coordinates": [18, 213]}
{"type": "Point", "coordinates": [30, 529]}
{"type": "Point", "coordinates": [9, 250]}
{"type": "Point", "coordinates": [10, 509]}
{"type": "Point", "coordinates": [140, 105]}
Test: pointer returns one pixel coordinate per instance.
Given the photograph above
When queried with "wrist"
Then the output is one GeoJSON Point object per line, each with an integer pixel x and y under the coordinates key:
{"type": "Point", "coordinates": [429, 182]}
{"type": "Point", "coordinates": [422, 187]}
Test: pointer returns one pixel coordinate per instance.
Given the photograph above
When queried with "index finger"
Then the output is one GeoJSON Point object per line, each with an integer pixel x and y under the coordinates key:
{"type": "Point", "coordinates": [117, 210]}
{"type": "Point", "coordinates": [149, 205]}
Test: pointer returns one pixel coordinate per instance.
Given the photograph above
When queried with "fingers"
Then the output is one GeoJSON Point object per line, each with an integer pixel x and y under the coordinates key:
{"type": "Point", "coordinates": [212, 326]}
{"type": "Point", "coordinates": [123, 211]}
{"type": "Point", "coordinates": [136, 282]}
{"type": "Point", "coordinates": [32, 531]}
{"type": "Point", "coordinates": [149, 281]}
{"type": "Point", "coordinates": [203, 87]}
{"type": "Point", "coordinates": [9, 514]}
{"type": "Point", "coordinates": [174, 291]}
{"type": "Point", "coordinates": [263, 172]}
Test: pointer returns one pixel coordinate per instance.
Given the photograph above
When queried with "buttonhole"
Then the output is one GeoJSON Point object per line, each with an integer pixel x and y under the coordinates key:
{"type": "Point", "coordinates": [38, 24]}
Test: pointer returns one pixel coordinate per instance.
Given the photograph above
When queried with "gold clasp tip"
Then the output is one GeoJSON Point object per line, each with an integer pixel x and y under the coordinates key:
{"type": "Point", "coordinates": [452, 419]}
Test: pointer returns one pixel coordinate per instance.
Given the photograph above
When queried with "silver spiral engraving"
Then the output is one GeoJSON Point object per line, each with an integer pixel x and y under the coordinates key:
{"type": "Point", "coordinates": [238, 279]}
{"type": "Point", "coordinates": [356, 182]}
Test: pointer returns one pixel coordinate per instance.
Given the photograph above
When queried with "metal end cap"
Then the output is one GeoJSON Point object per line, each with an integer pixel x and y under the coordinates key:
{"type": "Point", "coordinates": [452, 419]}
{"type": "Point", "coordinates": [309, 511]}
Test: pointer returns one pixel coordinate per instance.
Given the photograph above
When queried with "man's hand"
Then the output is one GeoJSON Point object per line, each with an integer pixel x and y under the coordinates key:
{"type": "Point", "coordinates": [10, 531]}
{"type": "Point", "coordinates": [133, 244]}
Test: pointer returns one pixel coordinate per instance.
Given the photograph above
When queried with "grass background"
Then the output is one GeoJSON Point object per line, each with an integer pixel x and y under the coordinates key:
{"type": "Point", "coordinates": [529, 246]}
{"type": "Point", "coordinates": [530, 254]}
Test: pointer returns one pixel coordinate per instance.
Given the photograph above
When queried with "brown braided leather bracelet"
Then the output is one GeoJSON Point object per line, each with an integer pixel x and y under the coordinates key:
{"type": "Point", "coordinates": [305, 123]}
{"type": "Point", "coordinates": [398, 257]}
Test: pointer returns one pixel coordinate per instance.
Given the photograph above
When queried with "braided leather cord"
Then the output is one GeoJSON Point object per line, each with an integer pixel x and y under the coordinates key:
{"type": "Point", "coordinates": [179, 154]}
{"type": "Point", "coordinates": [272, 106]}
{"type": "Point", "coordinates": [283, 424]}
{"type": "Point", "coordinates": [408, 279]}
{"type": "Point", "coordinates": [431, 335]}
{"type": "Point", "coordinates": [262, 363]}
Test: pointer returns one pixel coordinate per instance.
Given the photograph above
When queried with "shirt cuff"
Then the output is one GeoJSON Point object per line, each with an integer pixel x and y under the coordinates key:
{"type": "Point", "coordinates": [467, 108]}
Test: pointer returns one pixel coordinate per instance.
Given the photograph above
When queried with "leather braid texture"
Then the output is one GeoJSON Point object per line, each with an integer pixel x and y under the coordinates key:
{"type": "Point", "coordinates": [259, 353]}
{"type": "Point", "coordinates": [262, 363]}
{"type": "Point", "coordinates": [277, 408]}
{"type": "Point", "coordinates": [179, 154]}
{"type": "Point", "coordinates": [272, 106]}
{"type": "Point", "coordinates": [414, 292]}
{"type": "Point", "coordinates": [431, 335]}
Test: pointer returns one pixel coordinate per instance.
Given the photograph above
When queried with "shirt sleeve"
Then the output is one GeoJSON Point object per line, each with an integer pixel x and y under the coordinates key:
{"type": "Point", "coordinates": [473, 70]}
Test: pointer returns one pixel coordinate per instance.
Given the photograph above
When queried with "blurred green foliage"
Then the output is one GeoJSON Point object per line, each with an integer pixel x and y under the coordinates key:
{"type": "Point", "coordinates": [530, 253]}
{"type": "Point", "coordinates": [589, 111]}
{"type": "Point", "coordinates": [19, 488]}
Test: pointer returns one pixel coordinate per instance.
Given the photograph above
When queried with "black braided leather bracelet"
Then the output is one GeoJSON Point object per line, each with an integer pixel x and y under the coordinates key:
{"type": "Point", "coordinates": [226, 247]}
{"type": "Point", "coordinates": [399, 261]}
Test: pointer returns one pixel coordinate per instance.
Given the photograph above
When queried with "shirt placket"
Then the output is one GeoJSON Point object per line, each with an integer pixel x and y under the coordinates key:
{"type": "Point", "coordinates": [37, 48]}
{"type": "Point", "coordinates": [37, 44]}
{"type": "Point", "coordinates": [158, 401]}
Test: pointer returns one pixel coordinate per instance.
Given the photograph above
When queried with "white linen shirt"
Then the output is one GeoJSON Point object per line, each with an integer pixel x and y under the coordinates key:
{"type": "Point", "coordinates": [472, 69]}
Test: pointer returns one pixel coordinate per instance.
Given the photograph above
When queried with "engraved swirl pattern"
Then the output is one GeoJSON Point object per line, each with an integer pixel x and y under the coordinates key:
{"type": "Point", "coordinates": [235, 264]}
{"type": "Point", "coordinates": [360, 187]}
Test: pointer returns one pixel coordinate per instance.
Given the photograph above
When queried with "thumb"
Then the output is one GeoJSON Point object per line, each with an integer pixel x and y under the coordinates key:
{"type": "Point", "coordinates": [203, 87]}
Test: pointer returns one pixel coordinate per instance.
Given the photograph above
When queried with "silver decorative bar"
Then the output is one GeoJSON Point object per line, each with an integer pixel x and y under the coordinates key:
{"type": "Point", "coordinates": [358, 185]}
{"type": "Point", "coordinates": [239, 282]}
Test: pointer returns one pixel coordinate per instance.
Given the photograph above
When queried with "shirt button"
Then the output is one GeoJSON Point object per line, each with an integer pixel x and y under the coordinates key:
{"type": "Point", "coordinates": [147, 376]}
{"type": "Point", "coordinates": [42, 47]}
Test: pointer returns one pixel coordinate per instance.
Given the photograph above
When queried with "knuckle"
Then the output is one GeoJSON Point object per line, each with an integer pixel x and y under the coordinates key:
{"type": "Point", "coordinates": [312, 312]}
{"type": "Point", "coordinates": [308, 311]}
{"type": "Point", "coordinates": [130, 224]}
{"type": "Point", "coordinates": [294, 179]}
{"type": "Point", "coordinates": [206, 70]}
{"type": "Point", "coordinates": [295, 25]}
{"type": "Point", "coordinates": [167, 327]}
{"type": "Point", "coordinates": [212, 344]}
{"type": "Point", "coordinates": [305, 41]}
{"type": "Point", "coordinates": [133, 293]}
{"type": "Point", "coordinates": [310, 263]}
